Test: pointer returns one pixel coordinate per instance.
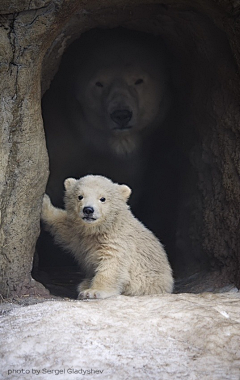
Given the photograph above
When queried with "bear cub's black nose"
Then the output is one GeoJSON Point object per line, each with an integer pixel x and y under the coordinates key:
{"type": "Point", "coordinates": [121, 117]}
{"type": "Point", "coordinates": [88, 210]}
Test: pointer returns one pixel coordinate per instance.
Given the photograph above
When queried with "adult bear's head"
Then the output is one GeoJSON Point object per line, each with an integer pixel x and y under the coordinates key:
{"type": "Point", "coordinates": [119, 86]}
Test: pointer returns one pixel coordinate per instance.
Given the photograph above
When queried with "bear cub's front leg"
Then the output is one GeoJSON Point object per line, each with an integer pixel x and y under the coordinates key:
{"type": "Point", "coordinates": [51, 215]}
{"type": "Point", "coordinates": [103, 285]}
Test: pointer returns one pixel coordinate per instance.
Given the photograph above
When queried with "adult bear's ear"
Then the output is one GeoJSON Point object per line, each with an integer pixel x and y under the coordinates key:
{"type": "Point", "coordinates": [126, 191]}
{"type": "Point", "coordinates": [69, 182]}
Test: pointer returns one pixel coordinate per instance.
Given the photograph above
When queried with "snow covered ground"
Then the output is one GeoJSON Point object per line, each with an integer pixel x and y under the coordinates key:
{"type": "Point", "coordinates": [170, 337]}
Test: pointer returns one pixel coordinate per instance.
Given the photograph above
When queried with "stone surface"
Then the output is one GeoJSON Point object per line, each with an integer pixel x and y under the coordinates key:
{"type": "Point", "coordinates": [160, 337]}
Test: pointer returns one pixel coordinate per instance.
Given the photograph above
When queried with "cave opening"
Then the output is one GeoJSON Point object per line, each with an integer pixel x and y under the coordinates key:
{"type": "Point", "coordinates": [183, 162]}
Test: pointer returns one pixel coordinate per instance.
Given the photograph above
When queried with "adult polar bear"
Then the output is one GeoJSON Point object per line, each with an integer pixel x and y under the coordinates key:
{"type": "Point", "coordinates": [110, 93]}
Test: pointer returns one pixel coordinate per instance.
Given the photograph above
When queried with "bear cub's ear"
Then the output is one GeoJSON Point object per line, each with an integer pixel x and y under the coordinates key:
{"type": "Point", "coordinates": [69, 182]}
{"type": "Point", "coordinates": [126, 191]}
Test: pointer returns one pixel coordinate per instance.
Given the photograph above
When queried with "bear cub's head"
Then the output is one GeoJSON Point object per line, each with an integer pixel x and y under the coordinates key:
{"type": "Point", "coordinates": [94, 199]}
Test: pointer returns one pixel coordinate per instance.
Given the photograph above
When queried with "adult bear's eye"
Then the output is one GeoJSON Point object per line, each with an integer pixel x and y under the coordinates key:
{"type": "Point", "coordinates": [80, 197]}
{"type": "Point", "coordinates": [139, 81]}
{"type": "Point", "coordinates": [102, 199]}
{"type": "Point", "coordinates": [99, 84]}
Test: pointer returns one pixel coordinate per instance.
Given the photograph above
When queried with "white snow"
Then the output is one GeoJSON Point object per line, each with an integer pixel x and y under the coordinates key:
{"type": "Point", "coordinates": [178, 336]}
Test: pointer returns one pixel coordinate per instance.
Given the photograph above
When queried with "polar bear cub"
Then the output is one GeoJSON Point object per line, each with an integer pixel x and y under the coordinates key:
{"type": "Point", "coordinates": [117, 252]}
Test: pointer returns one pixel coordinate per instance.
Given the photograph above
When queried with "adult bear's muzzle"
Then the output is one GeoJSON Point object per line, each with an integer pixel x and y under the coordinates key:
{"type": "Point", "coordinates": [121, 118]}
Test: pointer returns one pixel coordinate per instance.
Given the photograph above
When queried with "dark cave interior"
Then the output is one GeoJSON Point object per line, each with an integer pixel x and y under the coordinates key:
{"type": "Point", "coordinates": [185, 198]}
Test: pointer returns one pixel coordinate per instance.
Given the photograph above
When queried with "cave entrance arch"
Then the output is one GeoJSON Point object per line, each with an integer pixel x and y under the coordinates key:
{"type": "Point", "coordinates": [202, 136]}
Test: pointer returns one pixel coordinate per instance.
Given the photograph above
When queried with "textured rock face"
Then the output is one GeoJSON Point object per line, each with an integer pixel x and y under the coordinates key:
{"type": "Point", "coordinates": [203, 38]}
{"type": "Point", "coordinates": [24, 162]}
{"type": "Point", "coordinates": [159, 337]}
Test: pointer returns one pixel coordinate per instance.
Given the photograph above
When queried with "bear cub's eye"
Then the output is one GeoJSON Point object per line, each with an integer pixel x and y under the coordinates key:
{"type": "Point", "coordinates": [102, 199]}
{"type": "Point", "coordinates": [139, 81]}
{"type": "Point", "coordinates": [80, 197]}
{"type": "Point", "coordinates": [99, 84]}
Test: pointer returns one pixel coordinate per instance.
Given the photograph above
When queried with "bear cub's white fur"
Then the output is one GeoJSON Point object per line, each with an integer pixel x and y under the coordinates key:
{"type": "Point", "coordinates": [118, 253]}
